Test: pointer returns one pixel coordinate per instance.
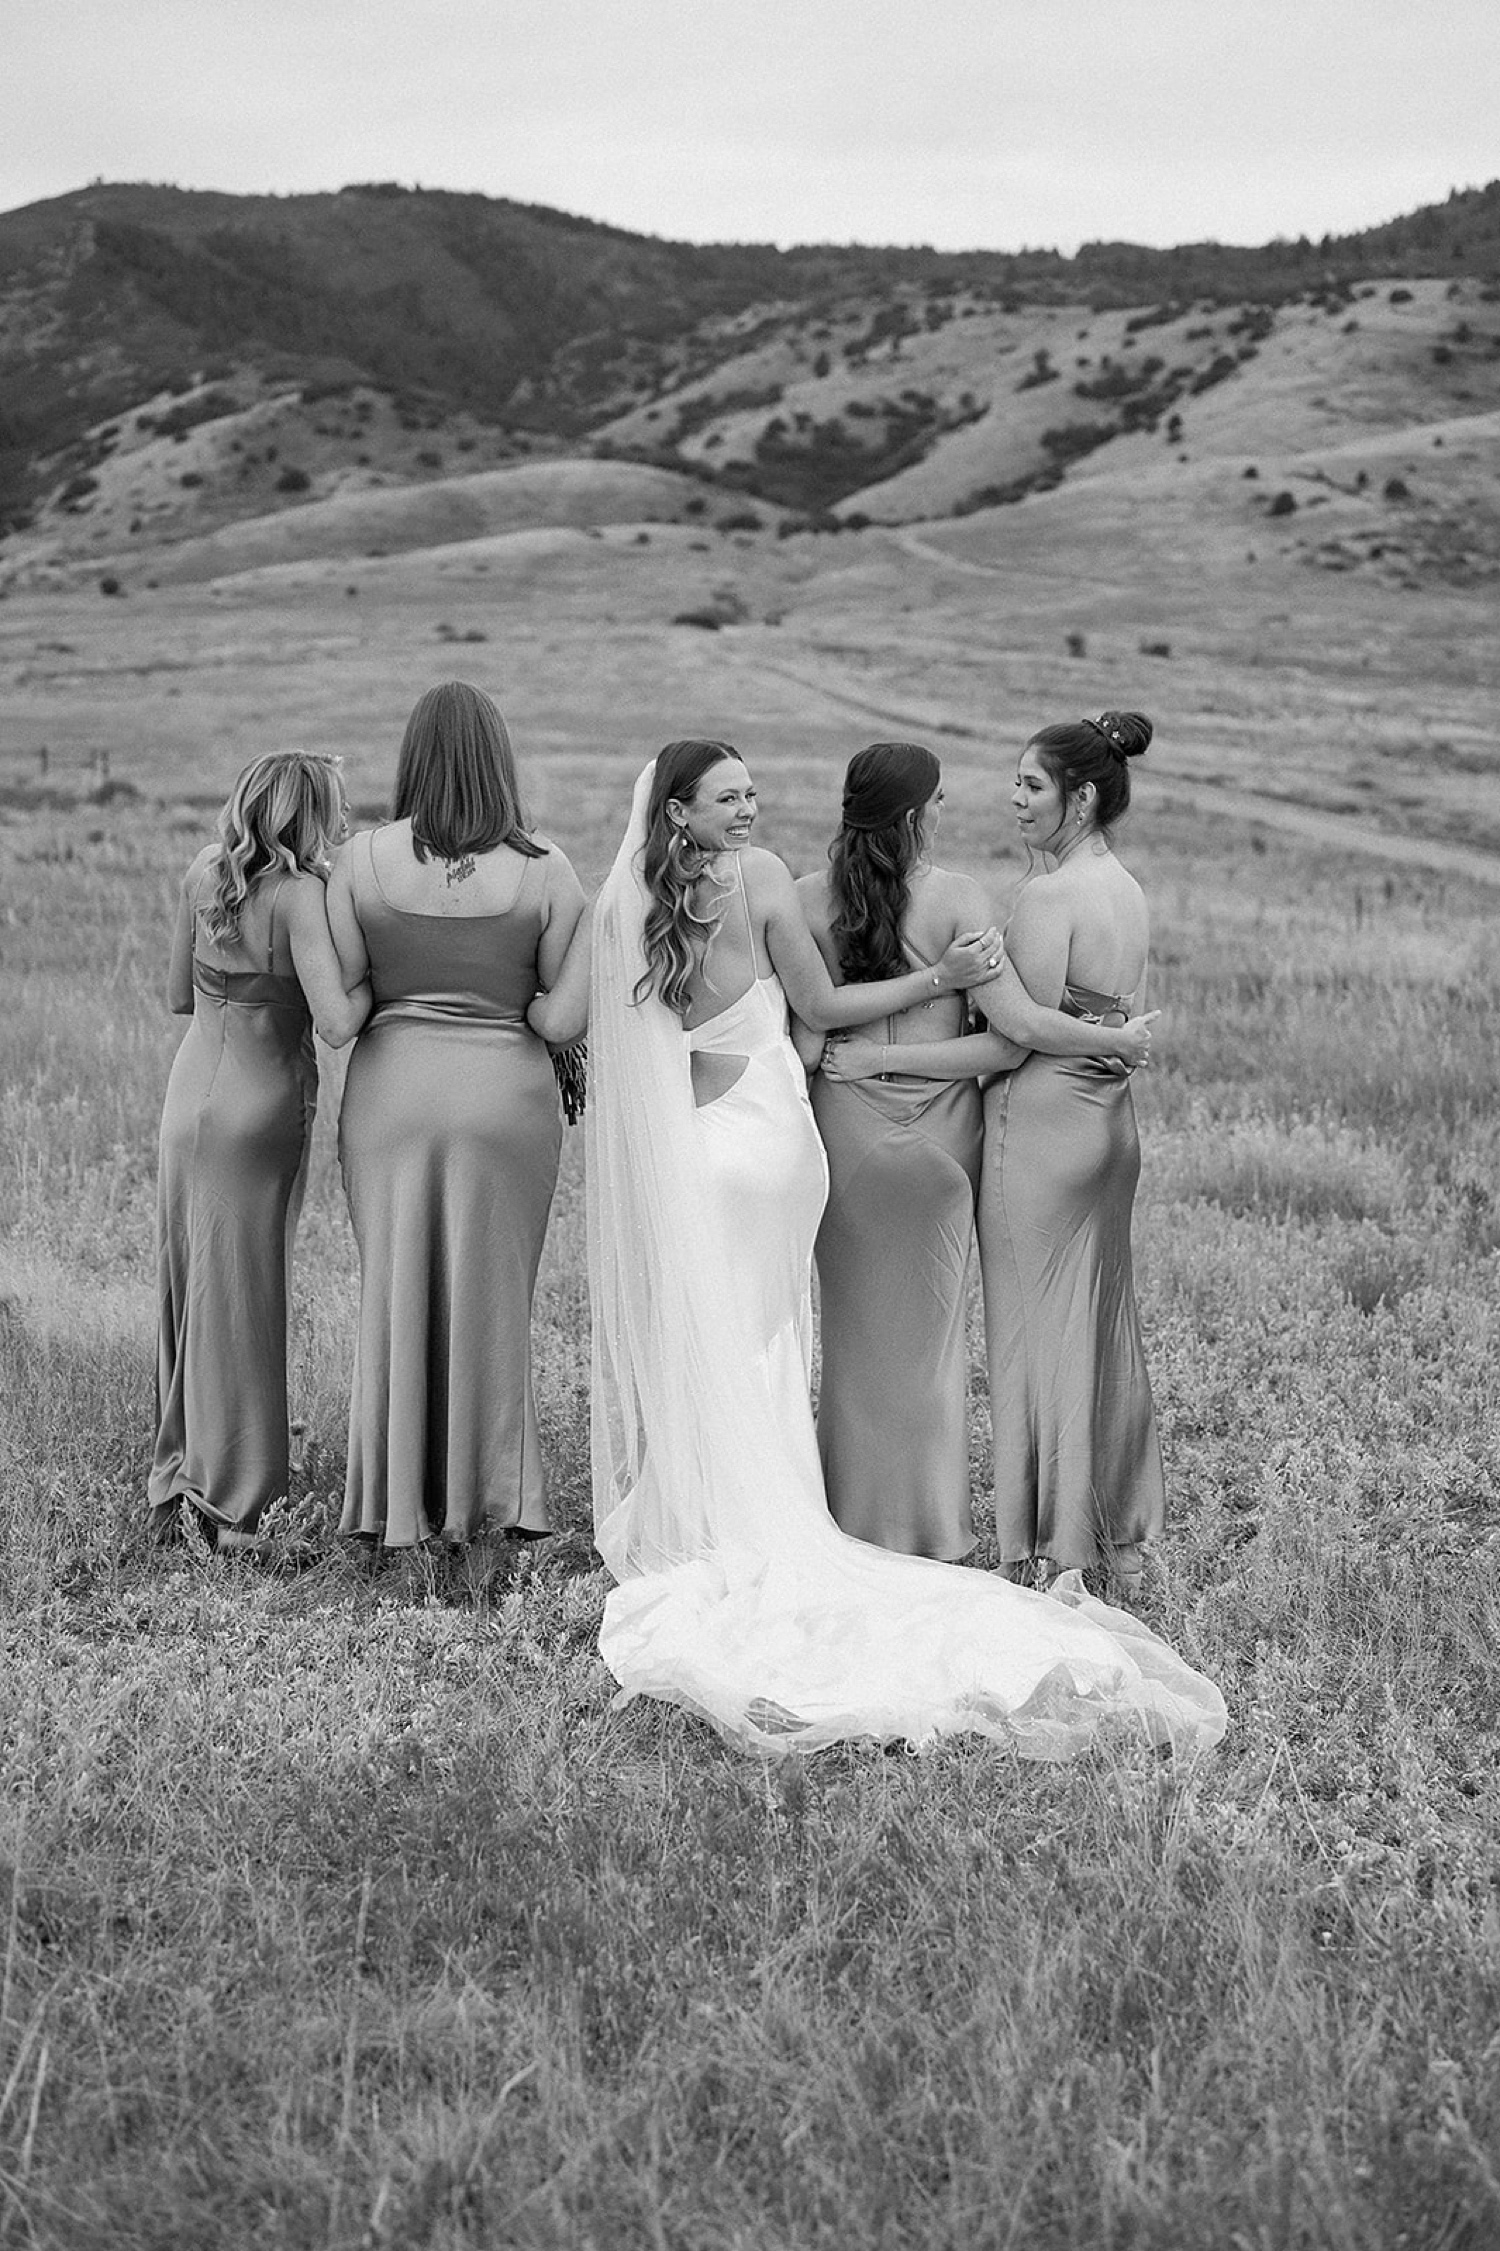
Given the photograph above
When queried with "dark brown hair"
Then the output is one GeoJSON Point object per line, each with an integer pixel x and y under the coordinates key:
{"type": "Point", "coordinates": [1095, 750]}
{"type": "Point", "coordinates": [871, 858]}
{"type": "Point", "coordinates": [456, 777]}
{"type": "Point", "coordinates": [675, 936]}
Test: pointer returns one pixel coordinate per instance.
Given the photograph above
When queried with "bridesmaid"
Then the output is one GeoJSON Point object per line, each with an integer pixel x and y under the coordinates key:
{"type": "Point", "coordinates": [253, 964]}
{"type": "Point", "coordinates": [450, 1131]}
{"type": "Point", "coordinates": [1077, 1465]}
{"type": "Point", "coordinates": [893, 1249]}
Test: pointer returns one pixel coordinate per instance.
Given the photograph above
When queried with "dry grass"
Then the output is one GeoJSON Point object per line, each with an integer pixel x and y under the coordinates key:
{"type": "Point", "coordinates": [339, 1909]}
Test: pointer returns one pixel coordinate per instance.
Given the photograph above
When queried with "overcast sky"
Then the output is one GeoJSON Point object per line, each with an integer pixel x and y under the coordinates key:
{"type": "Point", "coordinates": [994, 124]}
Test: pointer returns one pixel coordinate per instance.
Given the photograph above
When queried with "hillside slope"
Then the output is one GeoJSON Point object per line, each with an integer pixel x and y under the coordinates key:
{"type": "Point", "coordinates": [519, 313]}
{"type": "Point", "coordinates": [372, 370]}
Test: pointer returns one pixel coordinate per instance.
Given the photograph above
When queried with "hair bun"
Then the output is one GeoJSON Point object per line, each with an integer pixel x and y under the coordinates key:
{"type": "Point", "coordinates": [1126, 732]}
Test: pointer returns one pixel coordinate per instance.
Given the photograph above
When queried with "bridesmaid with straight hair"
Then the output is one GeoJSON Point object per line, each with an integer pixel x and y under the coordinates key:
{"type": "Point", "coordinates": [893, 1250]}
{"type": "Point", "coordinates": [254, 966]}
{"type": "Point", "coordinates": [450, 1131]}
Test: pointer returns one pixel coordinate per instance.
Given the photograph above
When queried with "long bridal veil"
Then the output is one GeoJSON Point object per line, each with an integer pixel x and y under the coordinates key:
{"type": "Point", "coordinates": [737, 1595]}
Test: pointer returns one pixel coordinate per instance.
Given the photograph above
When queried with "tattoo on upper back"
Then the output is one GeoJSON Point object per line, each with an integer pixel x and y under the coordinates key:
{"type": "Point", "coordinates": [459, 870]}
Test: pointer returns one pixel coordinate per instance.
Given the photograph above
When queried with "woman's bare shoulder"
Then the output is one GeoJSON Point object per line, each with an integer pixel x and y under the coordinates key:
{"type": "Point", "coordinates": [951, 883]}
{"type": "Point", "coordinates": [765, 875]}
{"type": "Point", "coordinates": [960, 899]}
{"type": "Point", "coordinates": [812, 891]}
{"type": "Point", "coordinates": [305, 885]}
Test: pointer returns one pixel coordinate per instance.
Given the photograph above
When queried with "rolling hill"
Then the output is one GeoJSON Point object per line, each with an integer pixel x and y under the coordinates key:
{"type": "Point", "coordinates": [192, 384]}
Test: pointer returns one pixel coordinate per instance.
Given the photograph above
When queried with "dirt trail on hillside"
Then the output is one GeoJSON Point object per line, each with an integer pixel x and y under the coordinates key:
{"type": "Point", "coordinates": [1342, 831]}
{"type": "Point", "coordinates": [925, 551]}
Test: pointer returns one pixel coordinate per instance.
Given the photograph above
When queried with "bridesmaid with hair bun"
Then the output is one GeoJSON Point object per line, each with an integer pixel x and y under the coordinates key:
{"type": "Point", "coordinates": [1078, 1475]}
{"type": "Point", "coordinates": [904, 1162]}
{"type": "Point", "coordinates": [1077, 1466]}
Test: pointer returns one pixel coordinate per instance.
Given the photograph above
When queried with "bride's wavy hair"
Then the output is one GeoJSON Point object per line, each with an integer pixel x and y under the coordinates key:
{"type": "Point", "coordinates": [673, 934]}
{"type": "Point", "coordinates": [285, 811]}
{"type": "Point", "coordinates": [871, 858]}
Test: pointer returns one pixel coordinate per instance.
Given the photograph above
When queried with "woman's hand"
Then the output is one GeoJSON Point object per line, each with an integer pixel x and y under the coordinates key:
{"type": "Point", "coordinates": [845, 1059]}
{"type": "Point", "coordinates": [969, 959]}
{"type": "Point", "coordinates": [1134, 1041]}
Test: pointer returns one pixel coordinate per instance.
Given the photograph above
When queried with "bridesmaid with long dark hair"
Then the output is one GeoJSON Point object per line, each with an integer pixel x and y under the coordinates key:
{"type": "Point", "coordinates": [253, 964]}
{"type": "Point", "coordinates": [893, 1250]}
{"type": "Point", "coordinates": [450, 1131]}
{"type": "Point", "coordinates": [1077, 1466]}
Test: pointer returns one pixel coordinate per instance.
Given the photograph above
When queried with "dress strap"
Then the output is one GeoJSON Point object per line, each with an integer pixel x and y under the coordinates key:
{"type": "Point", "coordinates": [739, 869]}
{"type": "Point", "coordinates": [531, 863]}
{"type": "Point", "coordinates": [277, 882]}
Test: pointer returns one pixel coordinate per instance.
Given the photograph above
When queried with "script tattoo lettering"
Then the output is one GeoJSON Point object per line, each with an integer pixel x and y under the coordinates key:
{"type": "Point", "coordinates": [457, 871]}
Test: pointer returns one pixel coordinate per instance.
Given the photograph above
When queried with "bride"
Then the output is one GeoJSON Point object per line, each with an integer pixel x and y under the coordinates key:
{"type": "Point", "coordinates": [737, 1595]}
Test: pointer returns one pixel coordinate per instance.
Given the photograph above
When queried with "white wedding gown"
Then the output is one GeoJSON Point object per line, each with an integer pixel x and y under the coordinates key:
{"type": "Point", "coordinates": [738, 1596]}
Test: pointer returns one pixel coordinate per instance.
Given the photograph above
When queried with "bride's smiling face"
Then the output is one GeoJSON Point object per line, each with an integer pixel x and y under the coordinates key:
{"type": "Point", "coordinates": [723, 808]}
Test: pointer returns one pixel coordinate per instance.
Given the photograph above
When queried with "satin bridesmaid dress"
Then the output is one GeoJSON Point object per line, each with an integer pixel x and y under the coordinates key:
{"type": "Point", "coordinates": [449, 1139]}
{"type": "Point", "coordinates": [235, 1132]}
{"type": "Point", "coordinates": [1077, 1465]}
{"type": "Point", "coordinates": [893, 1258]}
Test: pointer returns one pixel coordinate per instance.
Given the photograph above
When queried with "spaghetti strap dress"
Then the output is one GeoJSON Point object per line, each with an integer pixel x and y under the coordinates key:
{"type": "Point", "coordinates": [235, 1131]}
{"type": "Point", "coordinates": [1077, 1465]}
{"type": "Point", "coordinates": [449, 1139]}
{"type": "Point", "coordinates": [893, 1257]}
{"type": "Point", "coordinates": [762, 1151]}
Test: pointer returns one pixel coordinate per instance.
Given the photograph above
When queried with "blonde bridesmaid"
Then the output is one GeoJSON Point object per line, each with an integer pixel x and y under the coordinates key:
{"type": "Point", "coordinates": [254, 966]}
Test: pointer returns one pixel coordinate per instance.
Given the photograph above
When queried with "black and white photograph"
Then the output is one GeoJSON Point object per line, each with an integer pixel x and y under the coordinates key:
{"type": "Point", "coordinates": [750, 1126]}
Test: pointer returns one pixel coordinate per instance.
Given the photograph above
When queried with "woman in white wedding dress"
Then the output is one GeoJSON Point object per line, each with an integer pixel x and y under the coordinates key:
{"type": "Point", "coordinates": [737, 1595]}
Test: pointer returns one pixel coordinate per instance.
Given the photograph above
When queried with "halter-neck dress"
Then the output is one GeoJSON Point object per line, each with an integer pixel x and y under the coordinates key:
{"type": "Point", "coordinates": [235, 1131]}
{"type": "Point", "coordinates": [1077, 1465]}
{"type": "Point", "coordinates": [449, 1139]}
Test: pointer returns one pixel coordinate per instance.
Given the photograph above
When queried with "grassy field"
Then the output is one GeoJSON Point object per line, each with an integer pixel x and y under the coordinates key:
{"type": "Point", "coordinates": [339, 1909]}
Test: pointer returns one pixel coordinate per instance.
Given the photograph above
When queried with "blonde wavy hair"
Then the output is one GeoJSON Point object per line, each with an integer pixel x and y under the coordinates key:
{"type": "Point", "coordinates": [285, 811]}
